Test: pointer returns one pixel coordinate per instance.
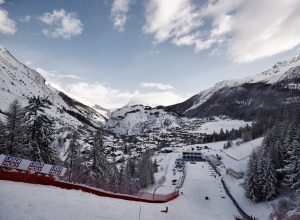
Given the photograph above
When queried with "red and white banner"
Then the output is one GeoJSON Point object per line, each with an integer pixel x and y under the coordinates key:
{"type": "Point", "coordinates": [32, 166]}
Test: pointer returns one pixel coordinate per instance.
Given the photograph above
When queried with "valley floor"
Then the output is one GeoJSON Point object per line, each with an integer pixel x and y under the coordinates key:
{"type": "Point", "coordinates": [25, 201]}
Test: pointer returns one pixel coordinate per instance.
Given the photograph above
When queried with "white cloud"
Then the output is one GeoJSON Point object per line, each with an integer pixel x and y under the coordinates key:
{"type": "Point", "coordinates": [7, 25]}
{"type": "Point", "coordinates": [28, 63]}
{"type": "Point", "coordinates": [154, 51]}
{"type": "Point", "coordinates": [105, 96]}
{"type": "Point", "coordinates": [176, 21]}
{"type": "Point", "coordinates": [264, 31]}
{"type": "Point", "coordinates": [119, 13]}
{"type": "Point", "coordinates": [159, 86]}
{"type": "Point", "coordinates": [52, 75]}
{"type": "Point", "coordinates": [25, 18]}
{"type": "Point", "coordinates": [240, 28]}
{"type": "Point", "coordinates": [45, 73]}
{"type": "Point", "coordinates": [111, 98]}
{"type": "Point", "coordinates": [61, 24]}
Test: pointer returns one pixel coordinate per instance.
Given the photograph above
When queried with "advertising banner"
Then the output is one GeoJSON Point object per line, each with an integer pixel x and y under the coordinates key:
{"type": "Point", "coordinates": [32, 166]}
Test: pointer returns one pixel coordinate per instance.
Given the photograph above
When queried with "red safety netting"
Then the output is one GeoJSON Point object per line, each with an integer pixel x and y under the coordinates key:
{"type": "Point", "coordinates": [87, 184]}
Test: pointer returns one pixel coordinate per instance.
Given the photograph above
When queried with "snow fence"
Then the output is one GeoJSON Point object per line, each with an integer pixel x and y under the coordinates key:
{"type": "Point", "coordinates": [25, 177]}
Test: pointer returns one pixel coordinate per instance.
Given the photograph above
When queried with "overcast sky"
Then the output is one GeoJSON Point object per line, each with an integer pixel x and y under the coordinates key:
{"type": "Point", "coordinates": [111, 52]}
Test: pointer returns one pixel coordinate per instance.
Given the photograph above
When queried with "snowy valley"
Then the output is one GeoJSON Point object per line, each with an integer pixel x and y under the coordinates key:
{"type": "Point", "coordinates": [137, 148]}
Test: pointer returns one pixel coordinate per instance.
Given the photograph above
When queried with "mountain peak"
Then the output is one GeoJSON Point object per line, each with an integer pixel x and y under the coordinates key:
{"type": "Point", "coordinates": [256, 90]}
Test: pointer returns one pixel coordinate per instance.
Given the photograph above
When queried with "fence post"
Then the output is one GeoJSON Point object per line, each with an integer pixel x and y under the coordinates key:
{"type": "Point", "coordinates": [156, 189]}
{"type": "Point", "coordinates": [140, 212]}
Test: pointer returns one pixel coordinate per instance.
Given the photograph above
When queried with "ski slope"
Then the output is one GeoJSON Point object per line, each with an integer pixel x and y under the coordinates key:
{"type": "Point", "coordinates": [27, 201]}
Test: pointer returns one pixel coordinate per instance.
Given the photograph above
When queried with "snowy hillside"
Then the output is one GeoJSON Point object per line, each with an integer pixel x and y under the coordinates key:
{"type": "Point", "coordinates": [139, 119]}
{"type": "Point", "coordinates": [17, 81]}
{"type": "Point", "coordinates": [215, 124]}
{"type": "Point", "coordinates": [280, 84]}
{"type": "Point", "coordinates": [103, 111]}
{"type": "Point", "coordinates": [55, 203]}
{"type": "Point", "coordinates": [237, 158]}
{"type": "Point", "coordinates": [201, 181]}
{"type": "Point", "coordinates": [277, 73]}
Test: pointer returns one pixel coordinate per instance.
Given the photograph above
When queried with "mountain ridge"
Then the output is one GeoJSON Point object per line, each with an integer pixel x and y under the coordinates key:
{"type": "Point", "coordinates": [283, 75]}
{"type": "Point", "coordinates": [18, 81]}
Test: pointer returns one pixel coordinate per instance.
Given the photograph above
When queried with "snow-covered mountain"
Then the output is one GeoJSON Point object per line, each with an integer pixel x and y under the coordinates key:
{"type": "Point", "coordinates": [278, 86]}
{"type": "Point", "coordinates": [138, 119]}
{"type": "Point", "coordinates": [17, 81]}
{"type": "Point", "coordinates": [103, 111]}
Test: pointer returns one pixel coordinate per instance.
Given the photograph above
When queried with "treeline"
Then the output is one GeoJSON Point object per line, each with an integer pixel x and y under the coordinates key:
{"type": "Point", "coordinates": [257, 129]}
{"type": "Point", "coordinates": [129, 177]}
{"type": "Point", "coordinates": [29, 133]}
{"type": "Point", "coordinates": [247, 133]}
{"type": "Point", "coordinates": [276, 163]}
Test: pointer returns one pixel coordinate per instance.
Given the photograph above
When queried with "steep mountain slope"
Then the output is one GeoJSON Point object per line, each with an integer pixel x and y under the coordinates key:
{"type": "Point", "coordinates": [103, 111]}
{"type": "Point", "coordinates": [250, 97]}
{"type": "Point", "coordinates": [17, 81]}
{"type": "Point", "coordinates": [140, 119]}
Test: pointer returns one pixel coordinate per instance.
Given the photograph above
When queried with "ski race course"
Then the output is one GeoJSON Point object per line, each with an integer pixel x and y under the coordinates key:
{"type": "Point", "coordinates": [30, 201]}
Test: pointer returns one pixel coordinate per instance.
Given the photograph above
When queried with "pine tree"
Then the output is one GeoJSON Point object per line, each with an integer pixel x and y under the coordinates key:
{"type": "Point", "coordinates": [246, 134]}
{"type": "Point", "coordinates": [131, 176]}
{"type": "Point", "coordinates": [228, 144]}
{"type": "Point", "coordinates": [113, 176]}
{"type": "Point", "coordinates": [276, 155]}
{"type": "Point", "coordinates": [221, 134]}
{"type": "Point", "coordinates": [40, 131]}
{"type": "Point", "coordinates": [73, 156]}
{"type": "Point", "coordinates": [286, 148]}
{"type": "Point", "coordinates": [122, 180]}
{"type": "Point", "coordinates": [251, 178]}
{"type": "Point", "coordinates": [2, 135]}
{"type": "Point", "coordinates": [14, 130]}
{"type": "Point", "coordinates": [292, 178]}
{"type": "Point", "coordinates": [145, 170]}
{"type": "Point", "coordinates": [99, 165]}
{"type": "Point", "coordinates": [269, 178]}
{"type": "Point", "coordinates": [259, 181]}
{"type": "Point", "coordinates": [130, 169]}
{"type": "Point", "coordinates": [155, 166]}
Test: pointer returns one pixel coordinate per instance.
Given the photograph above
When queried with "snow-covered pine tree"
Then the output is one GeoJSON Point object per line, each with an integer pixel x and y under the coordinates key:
{"type": "Point", "coordinates": [130, 168]}
{"type": "Point", "coordinates": [246, 133]}
{"type": "Point", "coordinates": [73, 156]}
{"type": "Point", "coordinates": [99, 165]}
{"type": "Point", "coordinates": [145, 170]}
{"type": "Point", "coordinates": [276, 155]}
{"type": "Point", "coordinates": [14, 128]}
{"type": "Point", "coordinates": [228, 144]}
{"type": "Point", "coordinates": [259, 178]}
{"type": "Point", "coordinates": [155, 166]}
{"type": "Point", "coordinates": [292, 178]}
{"type": "Point", "coordinates": [40, 131]}
{"type": "Point", "coordinates": [269, 179]}
{"type": "Point", "coordinates": [113, 176]}
{"type": "Point", "coordinates": [122, 182]}
{"type": "Point", "coordinates": [222, 134]}
{"type": "Point", "coordinates": [251, 177]}
{"type": "Point", "coordinates": [287, 148]}
{"type": "Point", "coordinates": [130, 176]}
{"type": "Point", "coordinates": [2, 134]}
{"type": "Point", "coordinates": [100, 168]}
